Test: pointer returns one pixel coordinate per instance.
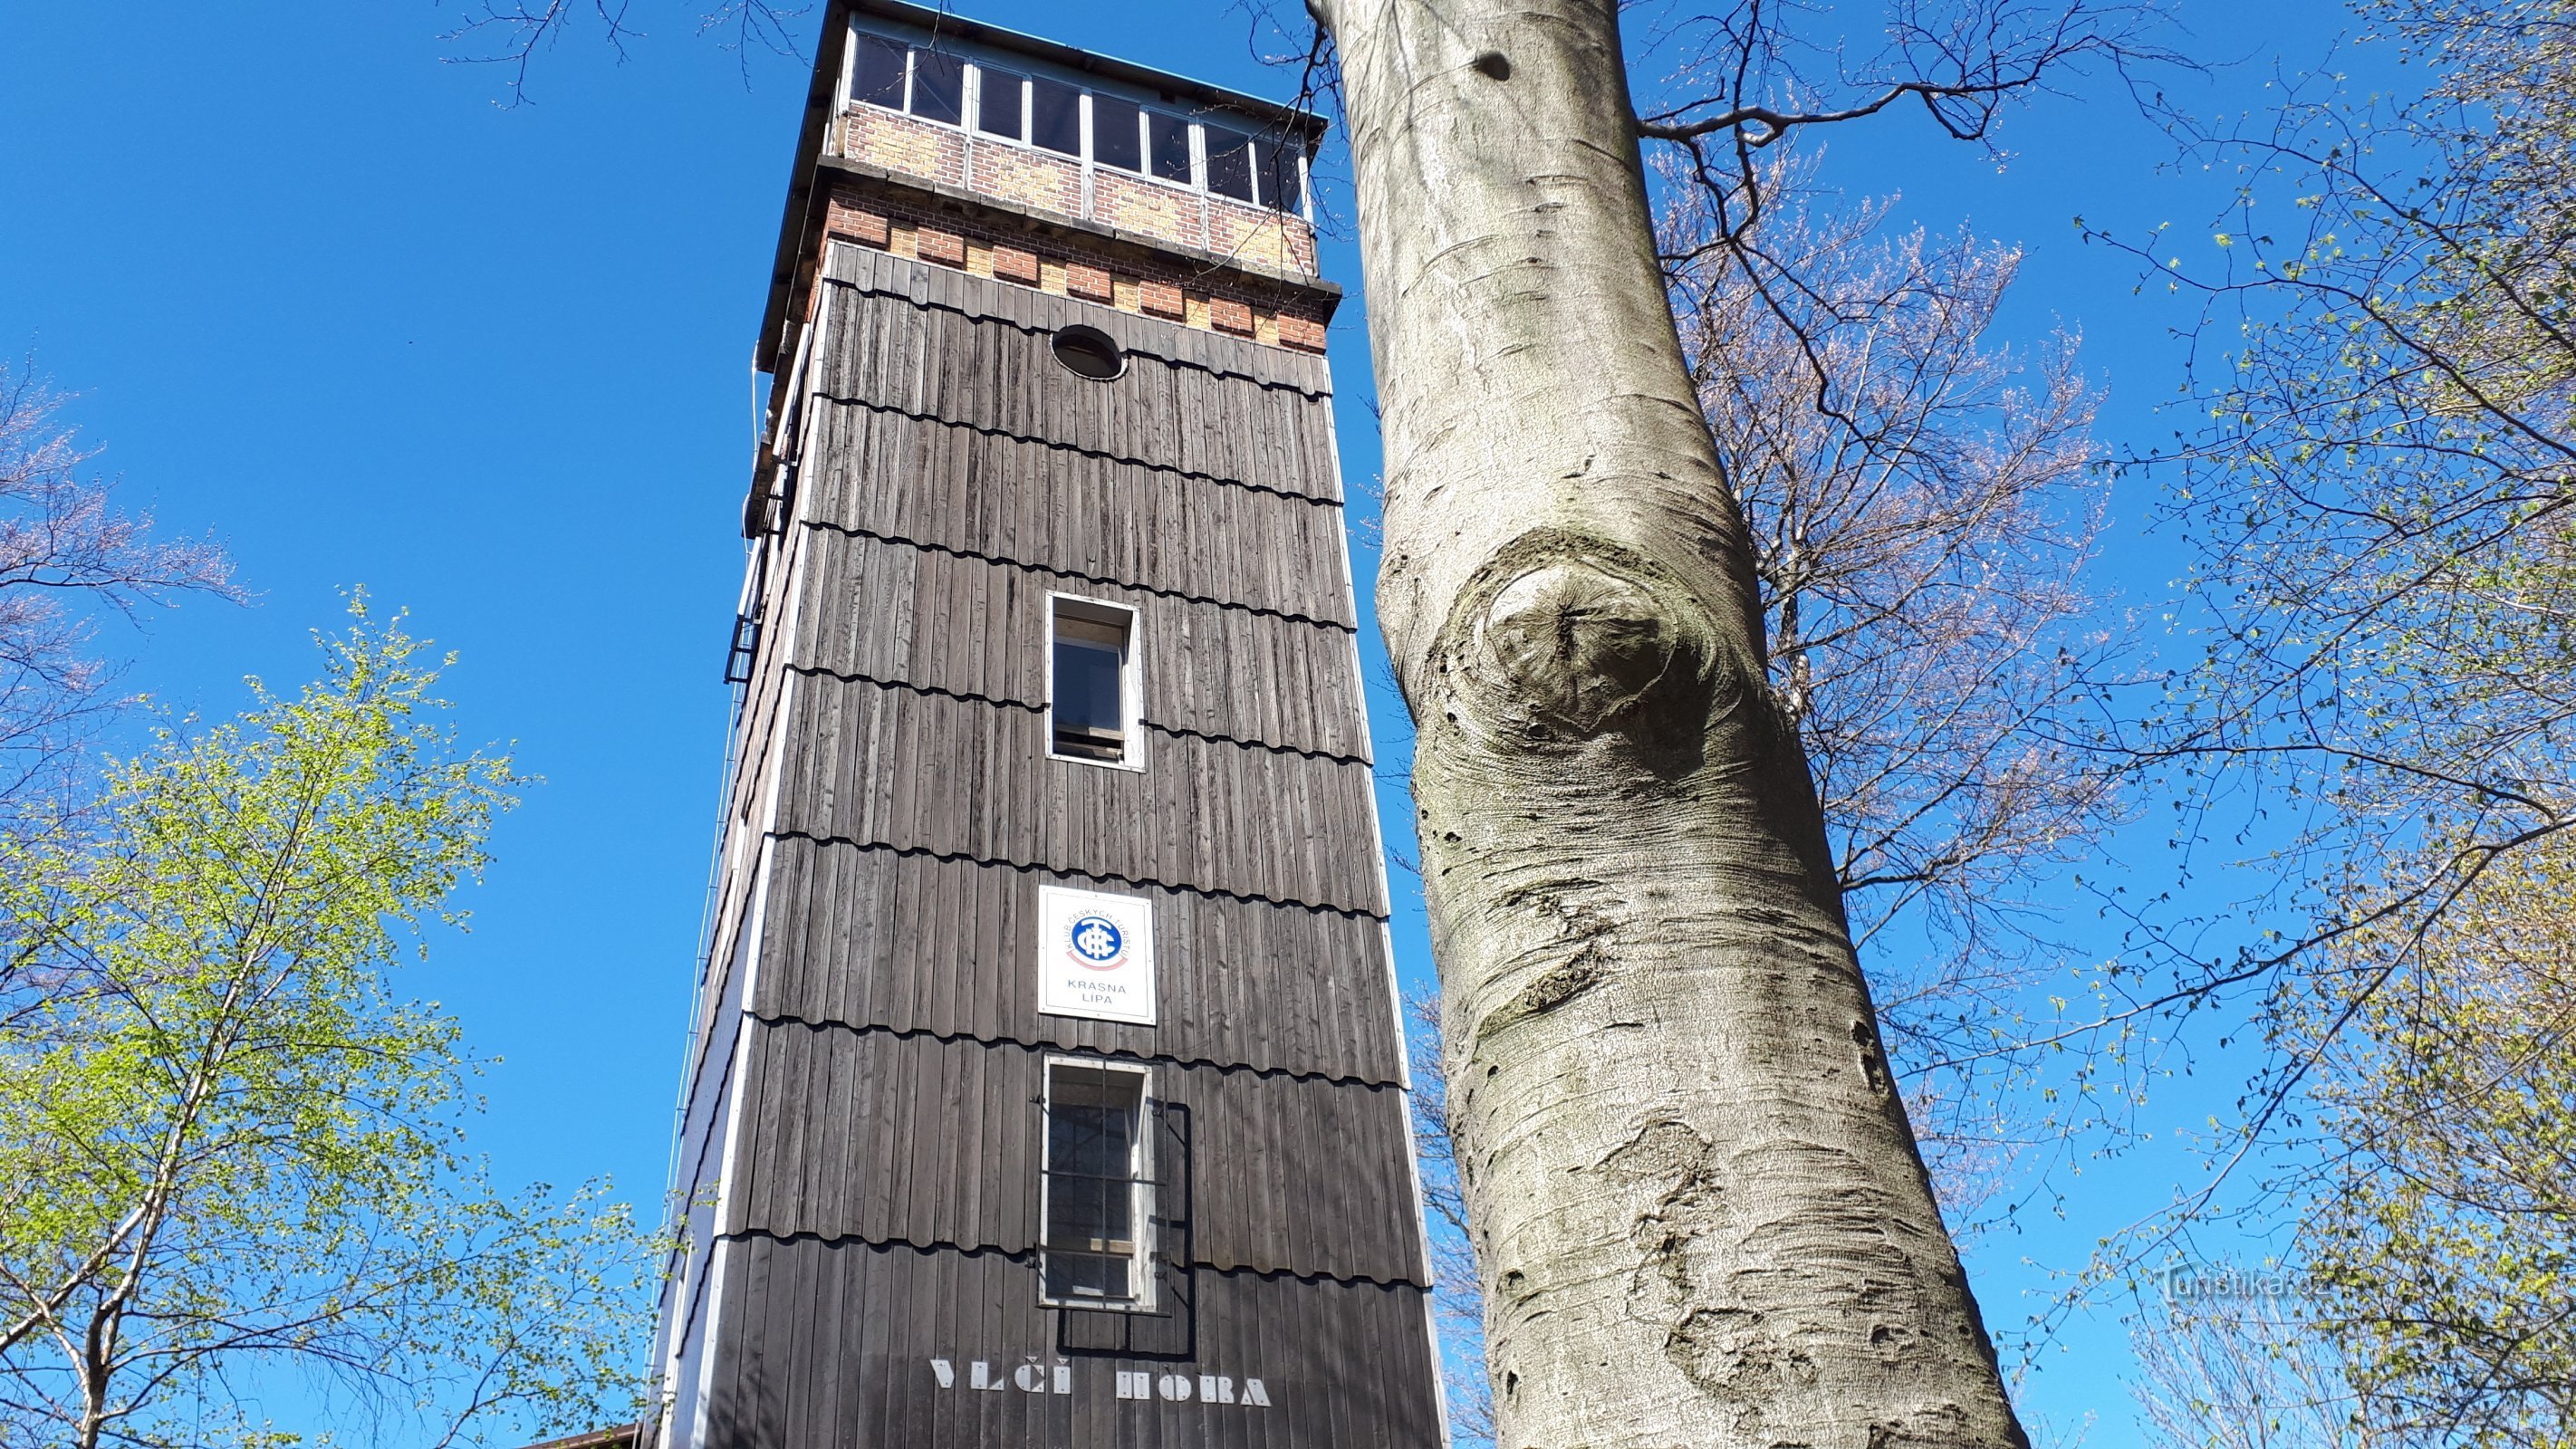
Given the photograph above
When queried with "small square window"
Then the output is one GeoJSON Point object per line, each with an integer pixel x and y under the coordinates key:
{"type": "Point", "coordinates": [938, 87]}
{"type": "Point", "coordinates": [1168, 140]}
{"type": "Point", "coordinates": [997, 103]}
{"type": "Point", "coordinates": [1055, 115]}
{"type": "Point", "coordinates": [1091, 683]}
{"type": "Point", "coordinates": [877, 77]}
{"type": "Point", "coordinates": [1096, 1197]}
{"type": "Point", "coordinates": [1117, 133]}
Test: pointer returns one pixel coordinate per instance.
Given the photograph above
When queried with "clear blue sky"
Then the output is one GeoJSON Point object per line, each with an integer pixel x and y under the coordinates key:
{"type": "Point", "coordinates": [322, 297]}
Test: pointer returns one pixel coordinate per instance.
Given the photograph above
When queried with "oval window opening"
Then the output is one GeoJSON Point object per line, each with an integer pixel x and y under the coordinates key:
{"type": "Point", "coordinates": [1089, 352]}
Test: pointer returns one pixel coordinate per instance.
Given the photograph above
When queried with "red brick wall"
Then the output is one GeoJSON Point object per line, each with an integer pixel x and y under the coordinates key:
{"type": "Point", "coordinates": [1178, 289]}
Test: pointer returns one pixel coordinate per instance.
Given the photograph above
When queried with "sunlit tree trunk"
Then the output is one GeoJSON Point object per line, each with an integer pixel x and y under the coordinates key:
{"type": "Point", "coordinates": [1700, 1215]}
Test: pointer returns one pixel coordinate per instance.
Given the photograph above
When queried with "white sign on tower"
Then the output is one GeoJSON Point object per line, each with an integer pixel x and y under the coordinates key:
{"type": "Point", "coordinates": [1095, 955]}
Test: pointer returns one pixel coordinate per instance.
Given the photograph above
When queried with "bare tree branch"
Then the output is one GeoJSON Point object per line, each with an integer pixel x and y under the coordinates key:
{"type": "Point", "coordinates": [512, 33]}
{"type": "Point", "coordinates": [65, 556]}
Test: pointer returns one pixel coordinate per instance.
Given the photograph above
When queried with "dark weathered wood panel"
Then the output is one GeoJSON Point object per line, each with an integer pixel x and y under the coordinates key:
{"type": "Point", "coordinates": [985, 373]}
{"type": "Point", "coordinates": [711, 1070]}
{"type": "Point", "coordinates": [959, 626]}
{"type": "Point", "coordinates": [1076, 515]}
{"type": "Point", "coordinates": [1001, 378]}
{"type": "Point", "coordinates": [937, 1144]}
{"type": "Point", "coordinates": [881, 765]}
{"type": "Point", "coordinates": [953, 475]}
{"type": "Point", "coordinates": [1222, 356]}
{"type": "Point", "coordinates": [1215, 356]}
{"type": "Point", "coordinates": [828, 1346]}
{"type": "Point", "coordinates": [915, 944]}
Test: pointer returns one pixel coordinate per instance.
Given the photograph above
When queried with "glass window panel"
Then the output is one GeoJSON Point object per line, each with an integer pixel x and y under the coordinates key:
{"type": "Point", "coordinates": [1055, 114]}
{"type": "Point", "coordinates": [1090, 1236]}
{"type": "Point", "coordinates": [1091, 1205]}
{"type": "Point", "coordinates": [1167, 140]}
{"type": "Point", "coordinates": [1089, 702]}
{"type": "Point", "coordinates": [1116, 137]}
{"type": "Point", "coordinates": [997, 103]}
{"type": "Point", "coordinates": [1229, 163]}
{"type": "Point", "coordinates": [1277, 164]}
{"type": "Point", "coordinates": [878, 76]}
{"type": "Point", "coordinates": [938, 87]}
{"type": "Point", "coordinates": [1087, 1275]}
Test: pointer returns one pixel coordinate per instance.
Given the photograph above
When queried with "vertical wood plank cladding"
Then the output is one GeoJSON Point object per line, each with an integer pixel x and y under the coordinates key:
{"type": "Point", "coordinates": [875, 765]}
{"type": "Point", "coordinates": [920, 353]}
{"type": "Point", "coordinates": [936, 1144]}
{"type": "Point", "coordinates": [959, 626]}
{"type": "Point", "coordinates": [891, 476]}
{"type": "Point", "coordinates": [953, 475]}
{"type": "Point", "coordinates": [915, 944]}
{"type": "Point", "coordinates": [1344, 1365]}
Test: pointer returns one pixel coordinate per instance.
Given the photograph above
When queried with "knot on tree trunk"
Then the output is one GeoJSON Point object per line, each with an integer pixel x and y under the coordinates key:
{"type": "Point", "coordinates": [1578, 644]}
{"type": "Point", "coordinates": [1566, 636]}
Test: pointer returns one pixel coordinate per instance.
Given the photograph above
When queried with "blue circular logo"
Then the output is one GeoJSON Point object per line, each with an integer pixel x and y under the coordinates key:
{"type": "Point", "coordinates": [1097, 940]}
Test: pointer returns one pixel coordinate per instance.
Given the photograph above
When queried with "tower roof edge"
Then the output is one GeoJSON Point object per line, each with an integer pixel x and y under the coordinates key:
{"type": "Point", "coordinates": [835, 130]}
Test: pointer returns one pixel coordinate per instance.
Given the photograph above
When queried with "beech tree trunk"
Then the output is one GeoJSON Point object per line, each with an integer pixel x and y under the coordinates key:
{"type": "Point", "coordinates": [1700, 1214]}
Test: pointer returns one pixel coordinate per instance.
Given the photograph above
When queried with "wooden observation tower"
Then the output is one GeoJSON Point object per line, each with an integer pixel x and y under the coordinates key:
{"type": "Point", "coordinates": [1047, 1087]}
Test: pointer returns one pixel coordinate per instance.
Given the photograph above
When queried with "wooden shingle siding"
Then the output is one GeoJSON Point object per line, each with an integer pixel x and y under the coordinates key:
{"type": "Point", "coordinates": [937, 1144]}
{"type": "Point", "coordinates": [757, 719]}
{"type": "Point", "coordinates": [999, 377]}
{"type": "Point", "coordinates": [975, 629]}
{"type": "Point", "coordinates": [939, 292]}
{"type": "Point", "coordinates": [914, 944]}
{"type": "Point", "coordinates": [1073, 517]}
{"type": "Point", "coordinates": [712, 1076]}
{"type": "Point", "coordinates": [828, 1346]}
{"type": "Point", "coordinates": [874, 764]}
{"type": "Point", "coordinates": [875, 1140]}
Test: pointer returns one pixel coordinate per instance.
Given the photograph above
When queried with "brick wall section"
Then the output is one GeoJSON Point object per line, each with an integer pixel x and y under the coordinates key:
{"type": "Point", "coordinates": [1038, 179]}
{"type": "Point", "coordinates": [868, 227]}
{"type": "Point", "coordinates": [1149, 209]}
{"type": "Point", "coordinates": [1179, 290]}
{"type": "Point", "coordinates": [1049, 182]}
{"type": "Point", "coordinates": [944, 247]}
{"type": "Point", "coordinates": [1088, 282]}
{"type": "Point", "coordinates": [900, 143]}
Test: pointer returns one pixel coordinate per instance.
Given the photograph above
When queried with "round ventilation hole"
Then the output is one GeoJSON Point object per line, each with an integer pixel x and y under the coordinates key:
{"type": "Point", "coordinates": [1089, 352]}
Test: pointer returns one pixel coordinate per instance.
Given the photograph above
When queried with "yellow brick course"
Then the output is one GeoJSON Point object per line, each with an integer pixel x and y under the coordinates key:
{"type": "Point", "coordinates": [1048, 182]}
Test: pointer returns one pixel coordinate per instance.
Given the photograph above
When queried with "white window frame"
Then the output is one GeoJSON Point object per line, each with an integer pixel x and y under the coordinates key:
{"type": "Point", "coordinates": [970, 122]}
{"type": "Point", "coordinates": [966, 69]}
{"type": "Point", "coordinates": [842, 100]}
{"type": "Point", "coordinates": [1140, 1170]}
{"type": "Point", "coordinates": [975, 73]}
{"type": "Point", "coordinates": [1144, 140]}
{"type": "Point", "coordinates": [1131, 676]}
{"type": "Point", "coordinates": [1145, 114]}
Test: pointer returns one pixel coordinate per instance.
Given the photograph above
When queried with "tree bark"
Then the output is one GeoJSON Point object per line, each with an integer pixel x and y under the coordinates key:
{"type": "Point", "coordinates": [1700, 1214]}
